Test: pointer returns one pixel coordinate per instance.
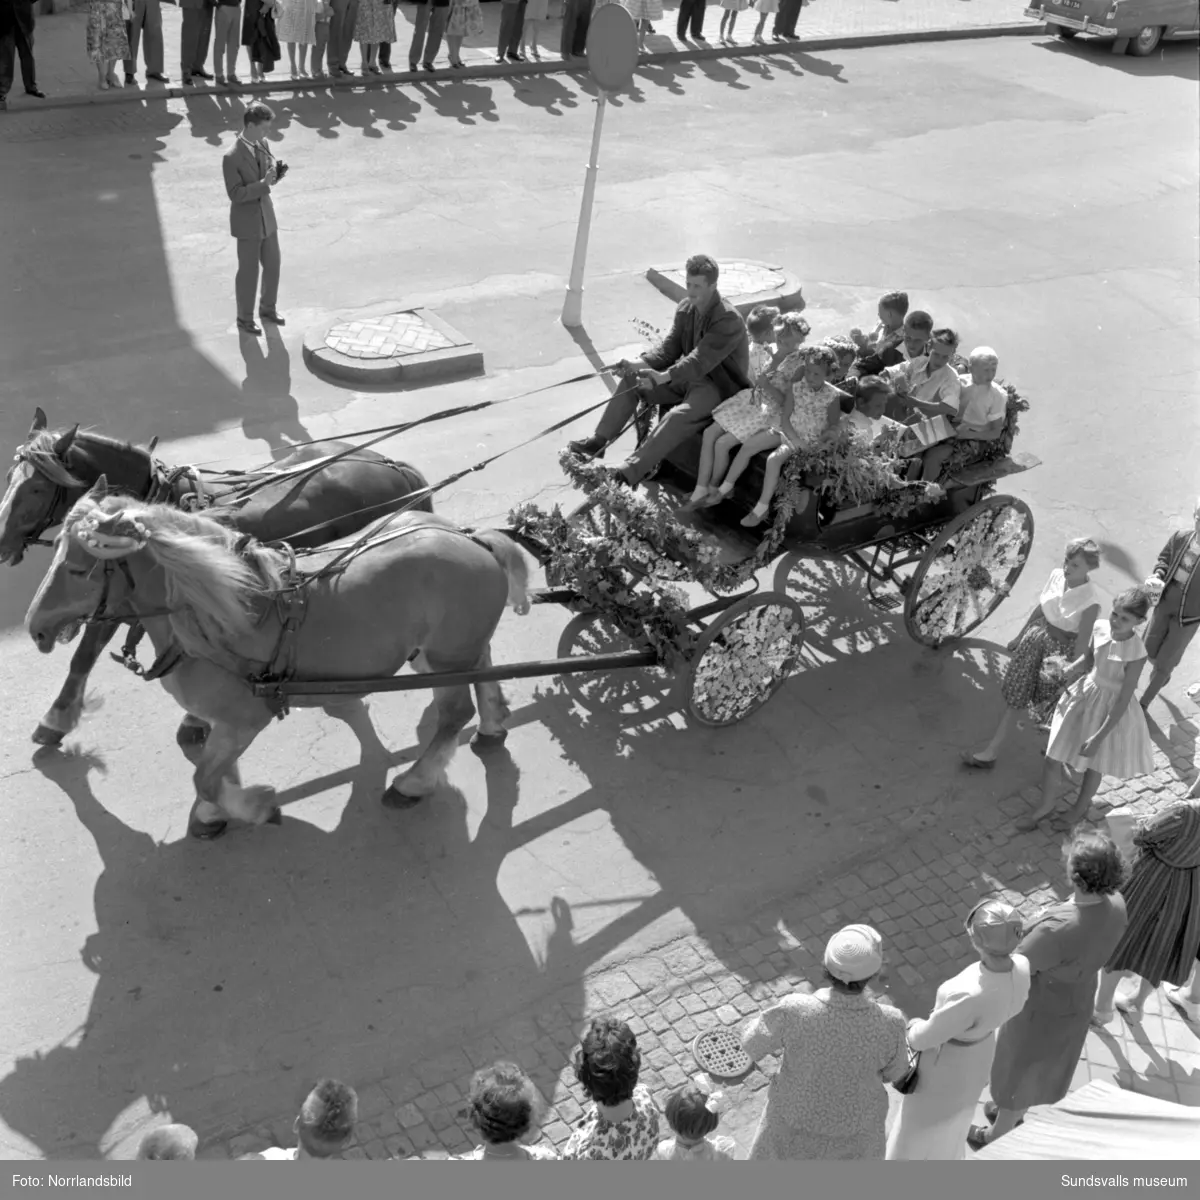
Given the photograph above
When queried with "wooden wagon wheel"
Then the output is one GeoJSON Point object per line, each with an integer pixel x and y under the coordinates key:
{"type": "Point", "coordinates": [636, 695]}
{"type": "Point", "coordinates": [968, 570]}
{"type": "Point", "coordinates": [742, 659]}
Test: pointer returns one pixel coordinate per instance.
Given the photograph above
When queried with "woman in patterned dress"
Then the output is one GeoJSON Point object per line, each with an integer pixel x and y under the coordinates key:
{"type": "Point", "coordinates": [465, 20]}
{"type": "Point", "coordinates": [1060, 624]}
{"type": "Point", "coordinates": [297, 29]}
{"type": "Point", "coordinates": [107, 40]}
{"type": "Point", "coordinates": [624, 1123]}
{"type": "Point", "coordinates": [376, 23]}
{"type": "Point", "coordinates": [730, 15]}
{"type": "Point", "coordinates": [1163, 901]}
{"type": "Point", "coordinates": [503, 1102]}
{"type": "Point", "coordinates": [643, 13]}
{"type": "Point", "coordinates": [839, 1047]}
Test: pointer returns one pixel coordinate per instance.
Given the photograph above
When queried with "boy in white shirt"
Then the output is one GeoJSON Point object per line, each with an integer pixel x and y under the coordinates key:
{"type": "Point", "coordinates": [983, 409]}
{"type": "Point", "coordinates": [324, 1128]}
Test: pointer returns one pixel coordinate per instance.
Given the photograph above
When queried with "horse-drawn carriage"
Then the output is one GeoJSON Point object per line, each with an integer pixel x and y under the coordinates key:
{"type": "Point", "coordinates": [948, 554]}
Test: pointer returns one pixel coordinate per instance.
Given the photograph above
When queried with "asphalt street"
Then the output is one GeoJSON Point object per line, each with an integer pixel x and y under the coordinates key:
{"type": "Point", "coordinates": [1028, 193]}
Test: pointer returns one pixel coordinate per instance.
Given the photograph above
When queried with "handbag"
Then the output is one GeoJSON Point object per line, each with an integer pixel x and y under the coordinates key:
{"type": "Point", "coordinates": [907, 1083]}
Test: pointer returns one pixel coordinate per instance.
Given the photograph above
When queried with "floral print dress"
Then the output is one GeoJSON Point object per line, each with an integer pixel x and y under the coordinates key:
{"type": "Point", "coordinates": [106, 37]}
{"type": "Point", "coordinates": [633, 1140]}
{"type": "Point", "coordinates": [753, 410]}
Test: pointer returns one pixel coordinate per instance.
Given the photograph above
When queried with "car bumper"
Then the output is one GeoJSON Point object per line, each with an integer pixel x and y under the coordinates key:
{"type": "Point", "coordinates": [1083, 25]}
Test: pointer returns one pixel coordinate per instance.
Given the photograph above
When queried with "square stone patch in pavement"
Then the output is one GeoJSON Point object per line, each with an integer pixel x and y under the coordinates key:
{"type": "Point", "coordinates": [408, 344]}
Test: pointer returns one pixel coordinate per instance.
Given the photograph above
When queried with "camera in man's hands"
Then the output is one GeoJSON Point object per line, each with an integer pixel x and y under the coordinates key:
{"type": "Point", "coordinates": [280, 168]}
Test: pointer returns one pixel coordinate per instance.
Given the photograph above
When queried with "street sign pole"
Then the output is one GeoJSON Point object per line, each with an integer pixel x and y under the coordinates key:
{"type": "Point", "coordinates": [612, 54]}
{"type": "Point", "coordinates": [572, 313]}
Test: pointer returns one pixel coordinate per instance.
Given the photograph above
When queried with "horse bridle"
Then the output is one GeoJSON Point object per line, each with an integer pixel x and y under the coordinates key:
{"type": "Point", "coordinates": [167, 661]}
{"type": "Point", "coordinates": [47, 519]}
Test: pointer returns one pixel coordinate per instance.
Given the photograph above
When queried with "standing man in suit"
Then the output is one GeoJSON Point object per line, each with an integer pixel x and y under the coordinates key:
{"type": "Point", "coordinates": [145, 23]}
{"type": "Point", "coordinates": [250, 173]}
{"type": "Point", "coordinates": [703, 360]}
{"type": "Point", "coordinates": [16, 38]}
{"type": "Point", "coordinates": [577, 17]}
{"type": "Point", "coordinates": [1176, 581]}
{"type": "Point", "coordinates": [194, 39]}
{"type": "Point", "coordinates": [341, 35]}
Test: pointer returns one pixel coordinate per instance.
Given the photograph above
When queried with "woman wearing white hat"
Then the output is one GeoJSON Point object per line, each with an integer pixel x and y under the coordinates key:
{"type": "Point", "coordinates": [958, 1039]}
{"type": "Point", "coordinates": [839, 1046]}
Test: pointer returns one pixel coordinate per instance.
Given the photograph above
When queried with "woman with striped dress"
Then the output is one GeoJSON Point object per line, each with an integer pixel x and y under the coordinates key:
{"type": "Point", "coordinates": [1163, 902]}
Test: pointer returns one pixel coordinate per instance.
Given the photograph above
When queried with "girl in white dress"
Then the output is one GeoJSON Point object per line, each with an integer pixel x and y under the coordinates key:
{"type": "Point", "coordinates": [1096, 729]}
{"type": "Point", "coordinates": [730, 15]}
{"type": "Point", "coordinates": [958, 1039]}
{"type": "Point", "coordinates": [693, 1113]}
{"type": "Point", "coordinates": [764, 9]}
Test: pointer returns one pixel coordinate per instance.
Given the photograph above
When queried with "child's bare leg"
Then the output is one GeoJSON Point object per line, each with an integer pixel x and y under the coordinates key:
{"type": "Point", "coordinates": [775, 461]}
{"type": "Point", "coordinates": [1087, 793]}
{"type": "Point", "coordinates": [1051, 782]}
{"type": "Point", "coordinates": [755, 444]}
{"type": "Point", "coordinates": [708, 449]}
{"type": "Point", "coordinates": [721, 455]}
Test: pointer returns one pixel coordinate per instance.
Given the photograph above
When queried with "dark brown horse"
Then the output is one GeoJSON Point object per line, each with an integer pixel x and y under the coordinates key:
{"type": "Point", "coordinates": [298, 499]}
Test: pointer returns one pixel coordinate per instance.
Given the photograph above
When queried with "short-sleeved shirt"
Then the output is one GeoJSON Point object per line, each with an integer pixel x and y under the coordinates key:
{"type": "Point", "coordinates": [714, 1148]}
{"type": "Point", "coordinates": [632, 1140]}
{"type": "Point", "coordinates": [760, 359]}
{"type": "Point", "coordinates": [530, 1154]}
{"type": "Point", "coordinates": [981, 403]}
{"type": "Point", "coordinates": [930, 387]}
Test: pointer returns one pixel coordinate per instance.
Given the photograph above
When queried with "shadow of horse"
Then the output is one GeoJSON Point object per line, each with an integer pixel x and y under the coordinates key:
{"type": "Point", "coordinates": [224, 978]}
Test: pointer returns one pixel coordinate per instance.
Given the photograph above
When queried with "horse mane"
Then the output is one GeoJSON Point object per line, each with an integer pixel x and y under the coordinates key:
{"type": "Point", "coordinates": [41, 453]}
{"type": "Point", "coordinates": [213, 589]}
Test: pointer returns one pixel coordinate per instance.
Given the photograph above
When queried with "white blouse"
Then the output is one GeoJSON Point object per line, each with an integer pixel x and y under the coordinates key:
{"type": "Point", "coordinates": [1063, 607]}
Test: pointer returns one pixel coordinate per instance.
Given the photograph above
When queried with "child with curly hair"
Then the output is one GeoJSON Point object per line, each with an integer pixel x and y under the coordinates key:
{"type": "Point", "coordinates": [503, 1103]}
{"type": "Point", "coordinates": [1097, 729]}
{"type": "Point", "coordinates": [693, 1113]}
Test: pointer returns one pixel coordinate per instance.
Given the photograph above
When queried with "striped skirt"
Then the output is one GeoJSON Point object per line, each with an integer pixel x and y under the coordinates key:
{"type": "Point", "coordinates": [1162, 898]}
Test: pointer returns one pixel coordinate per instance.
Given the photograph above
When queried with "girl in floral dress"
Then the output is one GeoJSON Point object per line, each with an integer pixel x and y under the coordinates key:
{"type": "Point", "coordinates": [376, 23]}
{"type": "Point", "coordinates": [624, 1123]}
{"type": "Point", "coordinates": [297, 29]}
{"type": "Point", "coordinates": [465, 20]}
{"type": "Point", "coordinates": [752, 411]}
{"type": "Point", "coordinates": [107, 40]}
{"type": "Point", "coordinates": [693, 1113]}
{"type": "Point", "coordinates": [1096, 727]}
{"type": "Point", "coordinates": [730, 15]}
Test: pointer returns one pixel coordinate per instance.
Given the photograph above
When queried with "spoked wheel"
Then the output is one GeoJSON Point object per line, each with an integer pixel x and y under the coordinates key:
{"type": "Point", "coordinates": [968, 570]}
{"type": "Point", "coordinates": [742, 659]}
{"type": "Point", "coordinates": [635, 695]}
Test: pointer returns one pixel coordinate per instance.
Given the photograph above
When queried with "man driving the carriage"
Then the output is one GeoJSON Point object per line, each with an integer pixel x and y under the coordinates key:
{"type": "Point", "coordinates": [704, 360]}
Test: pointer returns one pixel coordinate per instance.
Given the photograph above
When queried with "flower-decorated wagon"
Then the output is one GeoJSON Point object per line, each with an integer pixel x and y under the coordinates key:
{"type": "Point", "coordinates": [948, 553]}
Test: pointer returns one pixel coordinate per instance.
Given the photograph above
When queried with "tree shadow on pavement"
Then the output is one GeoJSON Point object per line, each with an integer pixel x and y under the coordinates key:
{"type": "Point", "coordinates": [281, 953]}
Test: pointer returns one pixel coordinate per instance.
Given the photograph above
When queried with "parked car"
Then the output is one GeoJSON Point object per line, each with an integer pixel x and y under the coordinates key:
{"type": "Point", "coordinates": [1138, 25]}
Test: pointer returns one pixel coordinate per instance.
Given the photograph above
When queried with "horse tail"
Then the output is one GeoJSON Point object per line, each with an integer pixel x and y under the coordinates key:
{"type": "Point", "coordinates": [516, 565]}
{"type": "Point", "coordinates": [415, 482]}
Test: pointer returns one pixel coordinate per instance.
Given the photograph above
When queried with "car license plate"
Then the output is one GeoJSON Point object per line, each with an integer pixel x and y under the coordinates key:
{"type": "Point", "coordinates": [1068, 3]}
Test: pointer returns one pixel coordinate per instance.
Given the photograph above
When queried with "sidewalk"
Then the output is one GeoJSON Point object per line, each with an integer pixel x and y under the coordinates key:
{"type": "Point", "coordinates": [917, 897]}
{"type": "Point", "coordinates": [67, 78]}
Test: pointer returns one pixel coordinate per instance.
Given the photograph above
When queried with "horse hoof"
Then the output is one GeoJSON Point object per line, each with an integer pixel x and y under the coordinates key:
{"type": "Point", "coordinates": [276, 817]}
{"type": "Point", "coordinates": [394, 798]}
{"type": "Point", "coordinates": [207, 831]}
{"type": "Point", "coordinates": [482, 743]}
{"type": "Point", "coordinates": [191, 735]}
{"type": "Point", "coordinates": [43, 735]}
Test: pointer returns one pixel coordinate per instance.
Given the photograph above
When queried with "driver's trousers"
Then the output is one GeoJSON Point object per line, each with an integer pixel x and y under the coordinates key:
{"type": "Point", "coordinates": [689, 409]}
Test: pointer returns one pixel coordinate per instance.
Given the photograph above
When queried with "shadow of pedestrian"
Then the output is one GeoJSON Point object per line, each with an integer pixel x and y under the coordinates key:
{"type": "Point", "coordinates": [466, 103]}
{"type": "Point", "coordinates": [545, 92]}
{"type": "Point", "coordinates": [271, 411]}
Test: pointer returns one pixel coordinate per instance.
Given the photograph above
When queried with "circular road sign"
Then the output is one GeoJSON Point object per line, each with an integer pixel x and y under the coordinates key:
{"type": "Point", "coordinates": [612, 47]}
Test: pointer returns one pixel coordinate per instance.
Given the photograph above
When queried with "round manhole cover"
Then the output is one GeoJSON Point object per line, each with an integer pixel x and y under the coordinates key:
{"type": "Point", "coordinates": [393, 336]}
{"type": "Point", "coordinates": [720, 1053]}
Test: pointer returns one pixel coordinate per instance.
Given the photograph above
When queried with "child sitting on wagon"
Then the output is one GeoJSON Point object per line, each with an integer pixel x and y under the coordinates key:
{"type": "Point", "coordinates": [870, 396]}
{"type": "Point", "coordinates": [748, 413]}
{"type": "Point", "coordinates": [983, 410]}
{"type": "Point", "coordinates": [760, 325]}
{"type": "Point", "coordinates": [845, 351]}
{"type": "Point", "coordinates": [794, 418]}
{"type": "Point", "coordinates": [889, 333]}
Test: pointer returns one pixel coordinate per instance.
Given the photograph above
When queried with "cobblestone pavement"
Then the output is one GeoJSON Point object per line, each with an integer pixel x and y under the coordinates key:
{"type": "Point", "coordinates": [917, 897]}
{"type": "Point", "coordinates": [64, 71]}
